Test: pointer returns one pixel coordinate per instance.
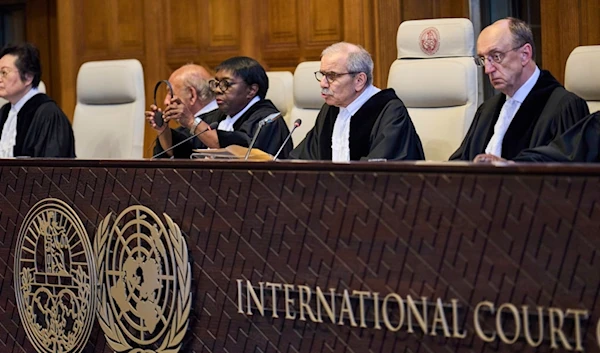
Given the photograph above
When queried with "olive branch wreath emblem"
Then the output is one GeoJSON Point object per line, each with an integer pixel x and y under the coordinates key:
{"type": "Point", "coordinates": [173, 337]}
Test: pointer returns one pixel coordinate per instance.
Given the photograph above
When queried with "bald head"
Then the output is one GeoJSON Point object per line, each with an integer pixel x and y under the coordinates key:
{"type": "Point", "coordinates": [190, 83]}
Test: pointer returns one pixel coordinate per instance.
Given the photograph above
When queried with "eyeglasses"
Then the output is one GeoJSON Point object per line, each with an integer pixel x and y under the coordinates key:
{"type": "Point", "coordinates": [223, 85]}
{"type": "Point", "coordinates": [331, 76]}
{"type": "Point", "coordinates": [496, 56]}
{"type": "Point", "coordinates": [5, 72]}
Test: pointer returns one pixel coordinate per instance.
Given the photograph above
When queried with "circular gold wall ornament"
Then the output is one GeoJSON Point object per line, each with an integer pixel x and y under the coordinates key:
{"type": "Point", "coordinates": [144, 277]}
{"type": "Point", "coordinates": [55, 278]}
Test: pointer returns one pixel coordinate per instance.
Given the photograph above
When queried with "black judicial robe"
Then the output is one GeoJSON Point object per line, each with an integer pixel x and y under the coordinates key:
{"type": "Point", "coordinates": [381, 128]}
{"type": "Point", "coordinates": [581, 143]}
{"type": "Point", "coordinates": [269, 140]}
{"type": "Point", "coordinates": [43, 130]}
{"type": "Point", "coordinates": [271, 136]}
{"type": "Point", "coordinates": [179, 134]}
{"type": "Point", "coordinates": [547, 111]}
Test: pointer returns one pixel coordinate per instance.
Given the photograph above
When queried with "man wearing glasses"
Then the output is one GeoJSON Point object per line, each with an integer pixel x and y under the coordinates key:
{"type": "Point", "coordinates": [31, 123]}
{"type": "Point", "coordinates": [191, 100]}
{"type": "Point", "coordinates": [358, 120]}
{"type": "Point", "coordinates": [532, 108]}
{"type": "Point", "coordinates": [240, 86]}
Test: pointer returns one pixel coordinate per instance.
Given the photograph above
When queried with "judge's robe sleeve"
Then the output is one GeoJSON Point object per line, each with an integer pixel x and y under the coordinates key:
{"type": "Point", "coordinates": [309, 148]}
{"type": "Point", "coordinates": [394, 137]}
{"type": "Point", "coordinates": [580, 143]}
{"type": "Point", "coordinates": [177, 136]}
{"type": "Point", "coordinates": [50, 134]}
{"type": "Point", "coordinates": [572, 110]}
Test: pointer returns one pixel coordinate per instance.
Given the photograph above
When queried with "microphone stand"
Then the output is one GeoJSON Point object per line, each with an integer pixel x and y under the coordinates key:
{"type": "Point", "coordinates": [184, 141]}
{"type": "Point", "coordinates": [284, 142]}
{"type": "Point", "coordinates": [260, 126]}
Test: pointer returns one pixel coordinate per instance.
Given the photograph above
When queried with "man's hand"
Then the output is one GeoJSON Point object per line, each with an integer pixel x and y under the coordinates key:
{"type": "Point", "coordinates": [176, 110]}
{"type": "Point", "coordinates": [488, 158]}
{"type": "Point", "coordinates": [150, 119]}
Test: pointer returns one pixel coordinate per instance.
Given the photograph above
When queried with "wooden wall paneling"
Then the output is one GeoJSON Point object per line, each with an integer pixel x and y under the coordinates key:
{"type": "Point", "coordinates": [130, 26]}
{"type": "Point", "coordinates": [280, 46]}
{"type": "Point", "coordinates": [560, 34]}
{"type": "Point", "coordinates": [590, 31]}
{"type": "Point", "coordinates": [38, 30]}
{"type": "Point", "coordinates": [94, 22]}
{"type": "Point", "coordinates": [386, 22]}
{"type": "Point", "coordinates": [67, 60]}
{"type": "Point", "coordinates": [155, 58]}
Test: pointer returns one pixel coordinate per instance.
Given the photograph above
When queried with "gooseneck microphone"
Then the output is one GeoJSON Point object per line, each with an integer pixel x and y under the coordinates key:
{"type": "Point", "coordinates": [158, 115]}
{"type": "Point", "coordinates": [269, 119]}
{"type": "Point", "coordinates": [297, 124]}
{"type": "Point", "coordinates": [212, 126]}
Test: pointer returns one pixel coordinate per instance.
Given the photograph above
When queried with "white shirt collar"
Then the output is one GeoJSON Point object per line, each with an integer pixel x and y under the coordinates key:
{"type": "Point", "coordinates": [524, 90]}
{"type": "Point", "coordinates": [227, 123]}
{"type": "Point", "coordinates": [356, 104]}
{"type": "Point", "coordinates": [208, 108]}
{"type": "Point", "coordinates": [340, 138]}
{"type": "Point", "coordinates": [32, 92]}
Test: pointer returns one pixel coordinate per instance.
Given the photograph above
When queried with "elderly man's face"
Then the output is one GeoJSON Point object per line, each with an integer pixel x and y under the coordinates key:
{"type": "Point", "coordinates": [504, 60]}
{"type": "Point", "coordinates": [344, 88]}
{"type": "Point", "coordinates": [12, 88]}
{"type": "Point", "coordinates": [233, 94]}
{"type": "Point", "coordinates": [180, 90]}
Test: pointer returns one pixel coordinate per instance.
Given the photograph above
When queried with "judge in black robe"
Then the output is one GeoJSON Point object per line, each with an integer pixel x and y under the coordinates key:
{"type": "Point", "coordinates": [240, 87]}
{"type": "Point", "coordinates": [580, 144]}
{"type": "Point", "coordinates": [548, 111]}
{"type": "Point", "coordinates": [180, 134]}
{"type": "Point", "coordinates": [380, 129]}
{"type": "Point", "coordinates": [43, 130]}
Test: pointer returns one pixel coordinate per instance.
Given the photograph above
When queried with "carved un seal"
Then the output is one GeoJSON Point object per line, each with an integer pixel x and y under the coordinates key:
{"type": "Point", "coordinates": [144, 278]}
{"type": "Point", "coordinates": [55, 278]}
{"type": "Point", "coordinates": [429, 40]}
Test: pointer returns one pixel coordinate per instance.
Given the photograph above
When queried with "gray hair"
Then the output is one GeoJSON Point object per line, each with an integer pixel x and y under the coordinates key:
{"type": "Point", "coordinates": [200, 85]}
{"type": "Point", "coordinates": [521, 33]}
{"type": "Point", "coordinates": [359, 60]}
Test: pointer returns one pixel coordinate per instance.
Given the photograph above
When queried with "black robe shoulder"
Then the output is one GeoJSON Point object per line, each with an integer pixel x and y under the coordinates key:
{"type": "Point", "coordinates": [547, 111]}
{"type": "Point", "coordinates": [580, 144]}
{"type": "Point", "coordinates": [380, 129]}
{"type": "Point", "coordinates": [43, 130]}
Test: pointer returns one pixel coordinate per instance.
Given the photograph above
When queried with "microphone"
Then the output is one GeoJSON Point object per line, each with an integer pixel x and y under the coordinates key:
{"type": "Point", "coordinates": [297, 124]}
{"type": "Point", "coordinates": [158, 116]}
{"type": "Point", "coordinates": [269, 119]}
{"type": "Point", "coordinates": [212, 126]}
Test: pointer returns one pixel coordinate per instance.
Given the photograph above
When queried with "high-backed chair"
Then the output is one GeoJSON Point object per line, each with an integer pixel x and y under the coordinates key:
{"type": "Point", "coordinates": [41, 88]}
{"type": "Point", "coordinates": [582, 74]}
{"type": "Point", "coordinates": [109, 115]}
{"type": "Point", "coordinates": [307, 99]}
{"type": "Point", "coordinates": [436, 77]}
{"type": "Point", "coordinates": [281, 92]}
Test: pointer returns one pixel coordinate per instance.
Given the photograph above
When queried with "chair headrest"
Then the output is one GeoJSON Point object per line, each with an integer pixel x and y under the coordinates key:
{"type": "Point", "coordinates": [307, 92]}
{"type": "Point", "coordinates": [582, 72]}
{"type": "Point", "coordinates": [109, 82]}
{"type": "Point", "coordinates": [281, 87]}
{"type": "Point", "coordinates": [446, 37]}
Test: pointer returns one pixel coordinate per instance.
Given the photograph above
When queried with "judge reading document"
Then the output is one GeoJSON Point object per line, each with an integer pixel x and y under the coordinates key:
{"type": "Point", "coordinates": [192, 94]}
{"type": "Point", "coordinates": [31, 123]}
{"type": "Point", "coordinates": [532, 108]}
{"type": "Point", "coordinates": [358, 120]}
{"type": "Point", "coordinates": [240, 86]}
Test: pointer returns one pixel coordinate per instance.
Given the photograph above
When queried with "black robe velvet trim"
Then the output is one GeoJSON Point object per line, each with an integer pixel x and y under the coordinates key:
{"type": "Point", "coordinates": [43, 130]}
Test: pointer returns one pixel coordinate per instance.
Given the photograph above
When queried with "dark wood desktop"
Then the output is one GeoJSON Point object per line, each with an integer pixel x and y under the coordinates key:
{"type": "Point", "coordinates": [411, 257]}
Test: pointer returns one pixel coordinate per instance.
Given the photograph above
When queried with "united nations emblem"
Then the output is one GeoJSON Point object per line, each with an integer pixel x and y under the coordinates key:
{"type": "Point", "coordinates": [55, 278]}
{"type": "Point", "coordinates": [144, 278]}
